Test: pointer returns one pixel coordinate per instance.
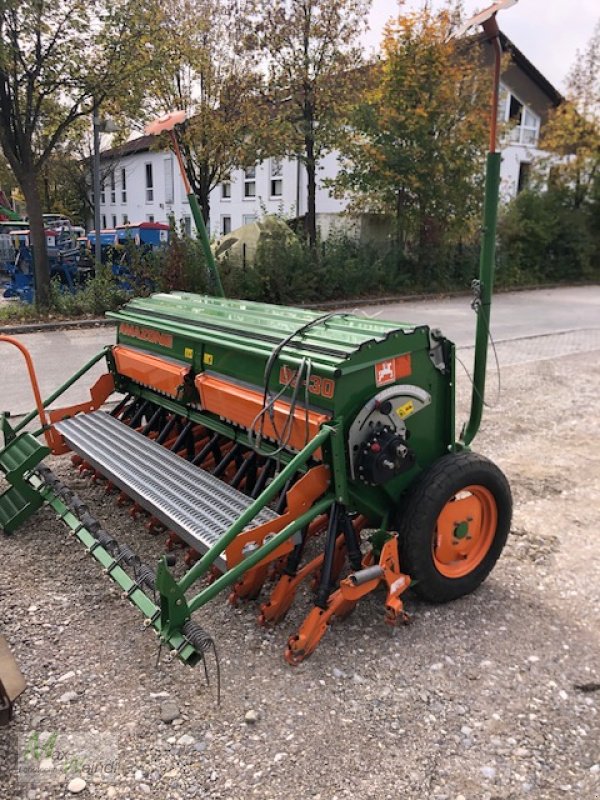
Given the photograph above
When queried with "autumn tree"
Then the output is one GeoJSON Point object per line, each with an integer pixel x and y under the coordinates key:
{"type": "Point", "coordinates": [573, 129]}
{"type": "Point", "coordinates": [313, 60]}
{"type": "Point", "coordinates": [207, 67]}
{"type": "Point", "coordinates": [58, 62]}
{"type": "Point", "coordinates": [417, 140]}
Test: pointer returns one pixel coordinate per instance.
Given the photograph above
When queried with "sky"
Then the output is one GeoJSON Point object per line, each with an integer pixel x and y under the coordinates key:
{"type": "Point", "coordinates": [547, 32]}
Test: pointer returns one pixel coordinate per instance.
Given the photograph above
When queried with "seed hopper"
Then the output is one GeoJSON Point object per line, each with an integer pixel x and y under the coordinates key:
{"type": "Point", "coordinates": [274, 446]}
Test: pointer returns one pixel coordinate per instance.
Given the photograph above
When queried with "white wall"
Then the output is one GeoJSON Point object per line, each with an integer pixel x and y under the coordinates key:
{"type": "Point", "coordinates": [137, 208]}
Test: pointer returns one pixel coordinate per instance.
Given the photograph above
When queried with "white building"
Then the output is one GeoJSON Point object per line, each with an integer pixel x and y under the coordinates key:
{"type": "Point", "coordinates": [143, 184]}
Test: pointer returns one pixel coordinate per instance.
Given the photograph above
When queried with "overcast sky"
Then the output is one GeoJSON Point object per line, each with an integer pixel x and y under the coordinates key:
{"type": "Point", "coordinates": [548, 32]}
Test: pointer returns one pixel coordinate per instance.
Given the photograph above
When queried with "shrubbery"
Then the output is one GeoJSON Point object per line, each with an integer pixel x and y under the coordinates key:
{"type": "Point", "coordinates": [542, 238]}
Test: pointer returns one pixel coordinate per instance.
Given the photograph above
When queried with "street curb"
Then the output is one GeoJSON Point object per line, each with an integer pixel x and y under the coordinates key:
{"type": "Point", "coordinates": [59, 325]}
{"type": "Point", "coordinates": [36, 327]}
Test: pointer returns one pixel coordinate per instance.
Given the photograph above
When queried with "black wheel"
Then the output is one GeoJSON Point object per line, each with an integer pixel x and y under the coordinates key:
{"type": "Point", "coordinates": [453, 526]}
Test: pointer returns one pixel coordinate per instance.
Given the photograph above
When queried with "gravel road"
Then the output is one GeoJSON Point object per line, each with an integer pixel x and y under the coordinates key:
{"type": "Point", "coordinates": [493, 697]}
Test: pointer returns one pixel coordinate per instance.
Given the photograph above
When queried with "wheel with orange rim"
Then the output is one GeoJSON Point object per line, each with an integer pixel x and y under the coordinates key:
{"type": "Point", "coordinates": [453, 526]}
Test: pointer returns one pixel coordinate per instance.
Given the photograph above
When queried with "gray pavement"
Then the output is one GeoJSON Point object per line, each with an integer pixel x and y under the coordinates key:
{"type": "Point", "coordinates": [58, 354]}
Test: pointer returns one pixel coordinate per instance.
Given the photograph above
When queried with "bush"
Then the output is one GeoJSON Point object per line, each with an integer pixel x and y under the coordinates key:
{"type": "Point", "coordinates": [543, 237]}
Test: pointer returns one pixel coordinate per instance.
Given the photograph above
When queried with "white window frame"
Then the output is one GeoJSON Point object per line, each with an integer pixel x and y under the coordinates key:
{"type": "Point", "coordinates": [113, 188]}
{"type": "Point", "coordinates": [149, 217]}
{"type": "Point", "coordinates": [114, 220]}
{"type": "Point", "coordinates": [123, 185]}
{"type": "Point", "coordinates": [169, 181]}
{"type": "Point", "coordinates": [187, 226]}
{"type": "Point", "coordinates": [104, 222]}
{"type": "Point", "coordinates": [226, 190]}
{"type": "Point", "coordinates": [516, 134]}
{"type": "Point", "coordinates": [149, 184]}
{"type": "Point", "coordinates": [102, 193]}
{"type": "Point", "coordinates": [250, 181]}
{"type": "Point", "coordinates": [248, 219]}
{"type": "Point", "coordinates": [125, 220]}
{"type": "Point", "coordinates": [223, 218]}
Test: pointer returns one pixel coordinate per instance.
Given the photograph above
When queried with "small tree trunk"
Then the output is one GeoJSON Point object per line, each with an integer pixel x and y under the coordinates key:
{"type": "Point", "coordinates": [311, 200]}
{"type": "Point", "coordinates": [38, 240]}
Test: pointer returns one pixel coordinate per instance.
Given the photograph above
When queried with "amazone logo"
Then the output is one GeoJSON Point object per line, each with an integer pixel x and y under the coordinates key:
{"type": "Point", "coordinates": [146, 335]}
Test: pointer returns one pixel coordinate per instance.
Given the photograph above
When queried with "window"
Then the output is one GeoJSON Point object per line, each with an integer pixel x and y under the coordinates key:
{"type": "Point", "coordinates": [114, 220]}
{"type": "Point", "coordinates": [187, 226]}
{"type": "Point", "coordinates": [102, 193]}
{"type": "Point", "coordinates": [149, 184]}
{"type": "Point", "coordinates": [523, 123]}
{"type": "Point", "coordinates": [169, 186]}
{"type": "Point", "coordinates": [248, 218]}
{"type": "Point", "coordinates": [123, 186]}
{"type": "Point", "coordinates": [103, 222]}
{"type": "Point", "coordinates": [524, 175]}
{"type": "Point", "coordinates": [149, 217]}
{"type": "Point", "coordinates": [225, 225]}
{"type": "Point", "coordinates": [226, 190]}
{"type": "Point", "coordinates": [250, 182]}
{"type": "Point", "coordinates": [113, 188]}
{"type": "Point", "coordinates": [125, 219]}
{"type": "Point", "coordinates": [276, 177]}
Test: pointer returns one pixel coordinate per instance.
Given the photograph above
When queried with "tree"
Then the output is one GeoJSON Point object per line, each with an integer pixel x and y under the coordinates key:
{"type": "Point", "coordinates": [58, 62]}
{"type": "Point", "coordinates": [417, 140]}
{"type": "Point", "coordinates": [207, 68]}
{"type": "Point", "coordinates": [573, 129]}
{"type": "Point", "coordinates": [313, 60]}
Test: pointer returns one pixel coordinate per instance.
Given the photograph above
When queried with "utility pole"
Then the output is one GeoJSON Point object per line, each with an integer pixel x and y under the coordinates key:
{"type": "Point", "coordinates": [96, 181]}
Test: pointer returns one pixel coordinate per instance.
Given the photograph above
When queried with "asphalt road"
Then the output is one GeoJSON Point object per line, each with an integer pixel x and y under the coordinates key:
{"type": "Point", "coordinates": [58, 354]}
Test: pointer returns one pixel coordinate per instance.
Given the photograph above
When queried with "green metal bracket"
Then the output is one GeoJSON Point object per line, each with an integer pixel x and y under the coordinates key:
{"type": "Point", "coordinates": [203, 236]}
{"type": "Point", "coordinates": [174, 611]}
{"type": "Point", "coordinates": [484, 300]}
{"type": "Point", "coordinates": [338, 461]}
{"type": "Point", "coordinates": [8, 432]}
{"type": "Point", "coordinates": [201, 567]}
{"type": "Point", "coordinates": [131, 591]}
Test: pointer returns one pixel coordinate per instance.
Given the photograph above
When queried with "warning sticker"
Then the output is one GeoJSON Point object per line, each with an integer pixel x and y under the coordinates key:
{"type": "Point", "coordinates": [392, 369]}
{"type": "Point", "coordinates": [405, 410]}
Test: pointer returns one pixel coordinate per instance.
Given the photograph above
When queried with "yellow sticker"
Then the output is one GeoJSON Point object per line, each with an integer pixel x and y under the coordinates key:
{"type": "Point", "coordinates": [208, 358]}
{"type": "Point", "coordinates": [188, 352]}
{"type": "Point", "coordinates": [406, 409]}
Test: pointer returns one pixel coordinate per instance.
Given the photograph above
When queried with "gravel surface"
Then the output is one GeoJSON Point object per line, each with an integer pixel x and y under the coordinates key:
{"type": "Point", "coordinates": [493, 697]}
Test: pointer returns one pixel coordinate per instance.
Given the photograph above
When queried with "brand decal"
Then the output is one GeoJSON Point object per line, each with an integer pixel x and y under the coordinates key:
{"type": "Point", "coordinates": [323, 387]}
{"type": "Point", "coordinates": [392, 369]}
{"type": "Point", "coordinates": [146, 335]}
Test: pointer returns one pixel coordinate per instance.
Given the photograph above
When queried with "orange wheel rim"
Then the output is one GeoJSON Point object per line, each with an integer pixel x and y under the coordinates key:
{"type": "Point", "coordinates": [464, 531]}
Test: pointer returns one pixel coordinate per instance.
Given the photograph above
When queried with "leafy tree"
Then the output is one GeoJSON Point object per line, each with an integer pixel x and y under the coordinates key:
{"type": "Point", "coordinates": [207, 68]}
{"type": "Point", "coordinates": [573, 129]}
{"type": "Point", "coordinates": [417, 140]}
{"type": "Point", "coordinates": [313, 57]}
{"type": "Point", "coordinates": [58, 62]}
